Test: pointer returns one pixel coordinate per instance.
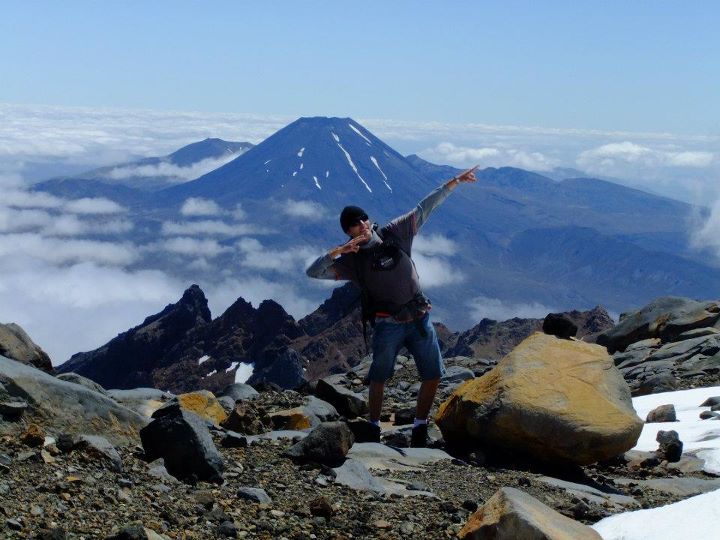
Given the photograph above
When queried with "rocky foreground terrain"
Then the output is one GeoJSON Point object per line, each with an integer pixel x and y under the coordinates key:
{"type": "Point", "coordinates": [538, 442]}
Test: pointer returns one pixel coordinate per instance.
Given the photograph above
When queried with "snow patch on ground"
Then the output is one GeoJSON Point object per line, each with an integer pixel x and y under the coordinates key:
{"type": "Point", "coordinates": [232, 366]}
{"type": "Point", "coordinates": [698, 436]}
{"type": "Point", "coordinates": [268, 161]}
{"type": "Point", "coordinates": [294, 173]}
{"type": "Point", "coordinates": [354, 168]}
{"type": "Point", "coordinates": [243, 373]}
{"type": "Point", "coordinates": [300, 153]}
{"type": "Point", "coordinates": [375, 162]}
{"type": "Point", "coordinates": [337, 139]}
{"type": "Point", "coordinates": [317, 184]}
{"type": "Point", "coordinates": [327, 174]}
{"type": "Point", "coordinates": [301, 166]}
{"type": "Point", "coordinates": [203, 359]}
{"type": "Point", "coordinates": [356, 130]}
{"type": "Point", "coordinates": [696, 518]}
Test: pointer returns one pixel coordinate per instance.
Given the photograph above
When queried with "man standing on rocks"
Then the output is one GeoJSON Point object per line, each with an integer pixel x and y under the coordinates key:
{"type": "Point", "coordinates": [377, 259]}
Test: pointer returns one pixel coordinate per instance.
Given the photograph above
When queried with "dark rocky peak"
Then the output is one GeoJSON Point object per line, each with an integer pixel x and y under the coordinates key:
{"type": "Point", "coordinates": [240, 313]}
{"type": "Point", "coordinates": [343, 301]}
{"type": "Point", "coordinates": [192, 307]}
{"type": "Point", "coordinates": [273, 320]}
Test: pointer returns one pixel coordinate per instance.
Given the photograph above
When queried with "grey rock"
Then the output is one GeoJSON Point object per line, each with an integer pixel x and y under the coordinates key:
{"type": "Point", "coordinates": [663, 382]}
{"type": "Point", "coordinates": [66, 407]}
{"type": "Point", "coordinates": [457, 374]}
{"type": "Point", "coordinates": [593, 494]}
{"type": "Point", "coordinates": [157, 469]}
{"type": "Point", "coordinates": [227, 403]}
{"type": "Point", "coordinates": [13, 408]}
{"type": "Point", "coordinates": [671, 446]}
{"type": "Point", "coordinates": [227, 529]}
{"type": "Point", "coordinates": [144, 401]}
{"type": "Point", "coordinates": [17, 345]}
{"type": "Point", "coordinates": [404, 416]}
{"type": "Point", "coordinates": [100, 447]}
{"type": "Point", "coordinates": [328, 443]}
{"type": "Point", "coordinates": [347, 403]}
{"type": "Point", "coordinates": [666, 317]}
{"type": "Point", "coordinates": [697, 332]}
{"type": "Point", "coordinates": [681, 348]}
{"type": "Point", "coordinates": [239, 391]}
{"type": "Point", "coordinates": [709, 402]}
{"type": "Point", "coordinates": [257, 495]}
{"type": "Point", "coordinates": [319, 411]}
{"type": "Point", "coordinates": [709, 415]}
{"type": "Point", "coordinates": [183, 440]}
{"type": "Point", "coordinates": [663, 413]}
{"type": "Point", "coordinates": [512, 514]}
{"type": "Point", "coordinates": [234, 440]}
{"type": "Point", "coordinates": [83, 381]}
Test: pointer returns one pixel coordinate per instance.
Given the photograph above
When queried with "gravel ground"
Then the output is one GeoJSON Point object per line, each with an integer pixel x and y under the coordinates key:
{"type": "Point", "coordinates": [79, 494]}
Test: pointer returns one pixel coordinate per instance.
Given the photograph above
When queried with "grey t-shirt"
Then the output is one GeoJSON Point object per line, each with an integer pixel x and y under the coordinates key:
{"type": "Point", "coordinates": [399, 285]}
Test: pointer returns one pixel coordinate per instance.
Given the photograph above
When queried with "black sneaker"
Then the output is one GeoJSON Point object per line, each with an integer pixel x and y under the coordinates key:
{"type": "Point", "coordinates": [419, 438]}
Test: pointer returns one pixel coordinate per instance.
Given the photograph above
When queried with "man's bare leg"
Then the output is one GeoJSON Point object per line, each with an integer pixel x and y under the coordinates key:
{"type": "Point", "coordinates": [375, 399]}
{"type": "Point", "coordinates": [426, 395]}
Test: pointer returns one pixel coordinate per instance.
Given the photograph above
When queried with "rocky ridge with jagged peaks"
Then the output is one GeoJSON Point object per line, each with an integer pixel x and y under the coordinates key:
{"type": "Point", "coordinates": [182, 348]}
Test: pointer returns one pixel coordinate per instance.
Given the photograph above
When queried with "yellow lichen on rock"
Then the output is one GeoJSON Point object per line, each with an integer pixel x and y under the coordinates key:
{"type": "Point", "coordinates": [204, 404]}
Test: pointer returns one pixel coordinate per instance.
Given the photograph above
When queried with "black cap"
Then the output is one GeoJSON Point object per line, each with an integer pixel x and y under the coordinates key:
{"type": "Point", "coordinates": [351, 215]}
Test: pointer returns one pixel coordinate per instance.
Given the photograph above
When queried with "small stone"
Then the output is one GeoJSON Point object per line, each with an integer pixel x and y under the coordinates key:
{"type": "Point", "coordinates": [709, 402]}
{"type": "Point", "coordinates": [227, 529]}
{"type": "Point", "coordinates": [13, 524]}
{"type": "Point", "coordinates": [663, 413]}
{"type": "Point", "coordinates": [382, 524]}
{"type": "Point", "coordinates": [418, 486]}
{"type": "Point", "coordinates": [671, 446]}
{"type": "Point", "coordinates": [470, 505]}
{"type": "Point", "coordinates": [33, 436]}
{"type": "Point", "coordinates": [257, 495]}
{"type": "Point", "coordinates": [524, 481]}
{"type": "Point", "coordinates": [277, 513]}
{"type": "Point", "coordinates": [321, 507]}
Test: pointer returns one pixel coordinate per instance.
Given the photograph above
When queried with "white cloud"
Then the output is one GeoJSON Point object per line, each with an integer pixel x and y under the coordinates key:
{"type": "Point", "coordinates": [12, 220]}
{"type": "Point", "coordinates": [207, 227]}
{"type": "Point", "coordinates": [613, 158]}
{"type": "Point", "coordinates": [173, 173]}
{"type": "Point", "coordinates": [80, 307]}
{"type": "Point", "coordinates": [436, 271]}
{"type": "Point", "coordinates": [20, 198]}
{"type": "Point", "coordinates": [183, 245]}
{"type": "Point", "coordinates": [434, 244]}
{"type": "Point", "coordinates": [482, 307]}
{"type": "Point", "coordinates": [64, 251]}
{"type": "Point", "coordinates": [197, 206]}
{"type": "Point", "coordinates": [706, 233]}
{"type": "Point", "coordinates": [303, 209]}
{"type": "Point", "coordinates": [256, 256]}
{"type": "Point", "coordinates": [99, 205]}
{"type": "Point", "coordinates": [449, 153]}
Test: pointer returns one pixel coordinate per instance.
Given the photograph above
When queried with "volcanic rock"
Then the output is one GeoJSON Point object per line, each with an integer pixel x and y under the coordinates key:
{"type": "Point", "coordinates": [556, 400]}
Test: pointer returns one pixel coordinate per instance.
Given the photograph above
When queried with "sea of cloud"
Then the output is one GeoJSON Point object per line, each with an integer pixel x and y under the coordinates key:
{"type": "Point", "coordinates": [73, 285]}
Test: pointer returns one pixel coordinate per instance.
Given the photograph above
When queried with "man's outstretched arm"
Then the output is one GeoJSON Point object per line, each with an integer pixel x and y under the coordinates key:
{"type": "Point", "coordinates": [408, 225]}
{"type": "Point", "coordinates": [327, 267]}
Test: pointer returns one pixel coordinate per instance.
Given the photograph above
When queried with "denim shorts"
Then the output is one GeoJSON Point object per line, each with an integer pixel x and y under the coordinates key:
{"type": "Point", "coordinates": [389, 337]}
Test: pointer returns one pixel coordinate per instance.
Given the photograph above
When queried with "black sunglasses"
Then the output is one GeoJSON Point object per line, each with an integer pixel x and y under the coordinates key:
{"type": "Point", "coordinates": [359, 220]}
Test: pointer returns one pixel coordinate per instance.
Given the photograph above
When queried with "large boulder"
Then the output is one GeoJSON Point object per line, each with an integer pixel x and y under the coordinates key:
{"type": "Point", "coordinates": [511, 514]}
{"type": "Point", "coordinates": [83, 381]}
{"type": "Point", "coordinates": [328, 443]}
{"type": "Point", "coordinates": [555, 400]}
{"type": "Point", "coordinates": [17, 345]}
{"type": "Point", "coordinates": [183, 440]}
{"type": "Point", "coordinates": [665, 318]}
{"type": "Point", "coordinates": [64, 407]}
{"type": "Point", "coordinates": [347, 402]}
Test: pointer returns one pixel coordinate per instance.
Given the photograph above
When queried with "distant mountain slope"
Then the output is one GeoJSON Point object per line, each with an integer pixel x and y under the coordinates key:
{"type": "Point", "coordinates": [152, 173]}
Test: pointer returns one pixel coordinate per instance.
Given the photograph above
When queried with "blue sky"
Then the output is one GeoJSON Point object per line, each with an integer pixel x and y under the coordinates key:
{"type": "Point", "coordinates": [632, 66]}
